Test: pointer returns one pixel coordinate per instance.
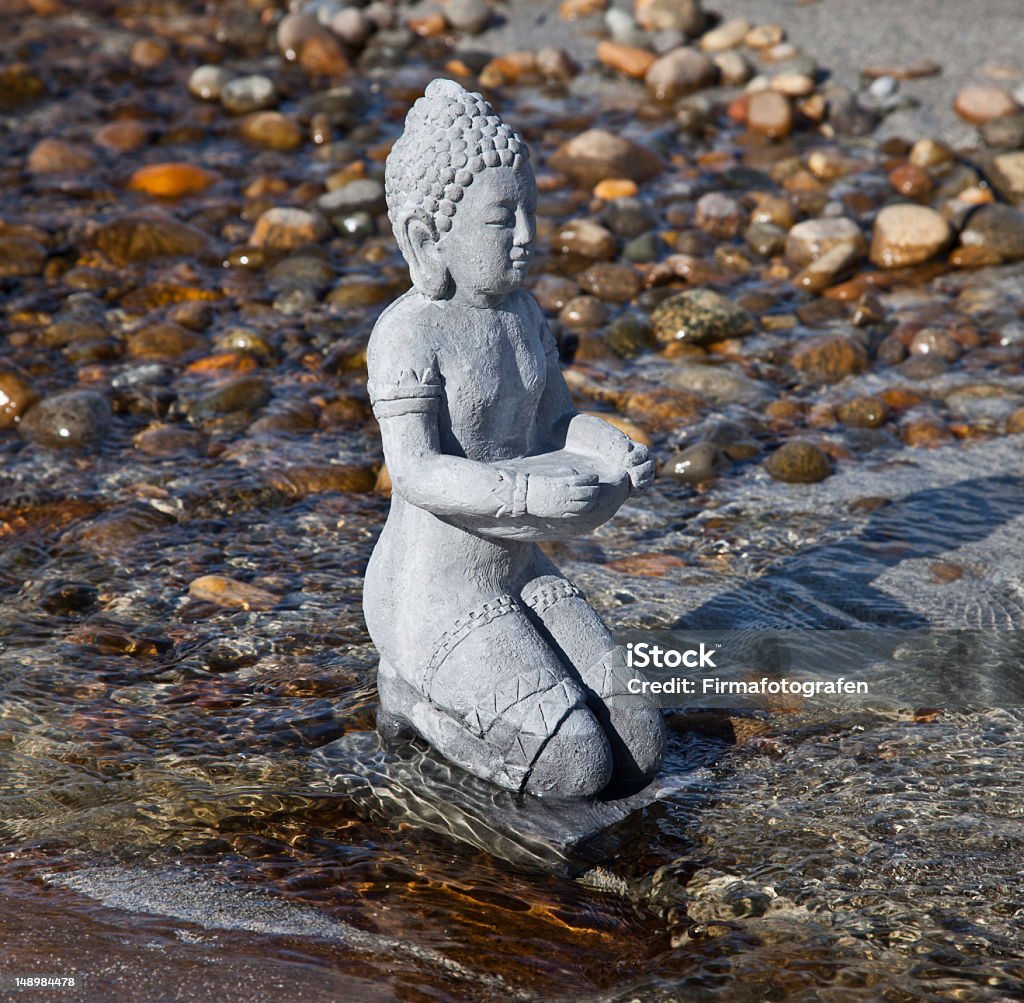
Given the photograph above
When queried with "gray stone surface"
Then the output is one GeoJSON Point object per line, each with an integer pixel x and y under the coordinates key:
{"type": "Point", "coordinates": [487, 651]}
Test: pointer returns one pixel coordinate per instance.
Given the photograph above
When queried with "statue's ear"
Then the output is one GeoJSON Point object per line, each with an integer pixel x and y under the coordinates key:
{"type": "Point", "coordinates": [418, 241]}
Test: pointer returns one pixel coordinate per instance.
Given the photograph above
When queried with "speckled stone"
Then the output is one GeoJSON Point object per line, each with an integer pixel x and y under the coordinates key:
{"type": "Point", "coordinates": [75, 419]}
{"type": "Point", "coordinates": [799, 463]}
{"type": "Point", "coordinates": [699, 316]}
{"type": "Point", "coordinates": [830, 358]}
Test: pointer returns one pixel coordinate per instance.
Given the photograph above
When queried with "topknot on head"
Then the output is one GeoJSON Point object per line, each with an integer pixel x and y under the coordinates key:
{"type": "Point", "coordinates": [450, 135]}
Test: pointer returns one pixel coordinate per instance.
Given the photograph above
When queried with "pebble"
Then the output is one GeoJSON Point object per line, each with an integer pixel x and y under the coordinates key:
{"type": "Point", "coordinates": [63, 597]}
{"type": "Point", "coordinates": [793, 85]}
{"type": "Point", "coordinates": [610, 282]}
{"type": "Point", "coordinates": [322, 56]}
{"type": "Point", "coordinates": [770, 113]}
{"type": "Point", "coordinates": [699, 316]}
{"type": "Point", "coordinates": [585, 238]}
{"type": "Point", "coordinates": [1006, 132]}
{"type": "Point", "coordinates": [248, 94]}
{"type": "Point", "coordinates": [352, 26]}
{"type": "Point", "coordinates": [148, 53]}
{"type": "Point", "coordinates": [812, 239]}
{"type": "Point", "coordinates": [55, 156]}
{"type": "Point", "coordinates": [556, 64]}
{"type": "Point", "coordinates": [164, 340]}
{"type": "Point", "coordinates": [765, 239]}
{"type": "Point", "coordinates": [929, 153]}
{"type": "Point", "coordinates": [925, 433]}
{"type": "Point", "coordinates": [1015, 422]}
{"type": "Point", "coordinates": [982, 103]}
{"type": "Point", "coordinates": [121, 136]}
{"type": "Point", "coordinates": [686, 16]}
{"type": "Point", "coordinates": [470, 16]}
{"type": "Point", "coordinates": [244, 393]}
{"type": "Point", "coordinates": [719, 384]}
{"type": "Point", "coordinates": [284, 228]}
{"type": "Point", "coordinates": [629, 335]}
{"type": "Point", "coordinates": [910, 180]}
{"type": "Point", "coordinates": [733, 68]}
{"type": "Point", "coordinates": [142, 237]}
{"type": "Point", "coordinates": [998, 229]}
{"type": "Point", "coordinates": [829, 358]}
{"type": "Point", "coordinates": [863, 412]}
{"type": "Point", "coordinates": [695, 464]}
{"type": "Point", "coordinates": [935, 341]}
{"type": "Point", "coordinates": [628, 59]}
{"type": "Point", "coordinates": [207, 82]}
{"type": "Point", "coordinates": [908, 234]}
{"type": "Point", "coordinates": [598, 154]}
{"type": "Point", "coordinates": [172, 180]}
{"type": "Point", "coordinates": [16, 397]}
{"type": "Point", "coordinates": [230, 593]}
{"type": "Point", "coordinates": [361, 195]}
{"type": "Point", "coordinates": [764, 36]}
{"type": "Point", "coordinates": [295, 29]}
{"type": "Point", "coordinates": [681, 71]}
{"type": "Point", "coordinates": [615, 188]}
{"type": "Point", "coordinates": [628, 217]}
{"type": "Point", "coordinates": [725, 36]}
{"type": "Point", "coordinates": [823, 271]}
{"type": "Point", "coordinates": [73, 419]}
{"type": "Point", "coordinates": [583, 313]}
{"type": "Point", "coordinates": [1008, 175]}
{"type": "Point", "coordinates": [20, 255]}
{"type": "Point", "coordinates": [272, 130]}
{"type": "Point", "coordinates": [797, 462]}
{"type": "Point", "coordinates": [552, 292]}
{"type": "Point", "coordinates": [167, 440]}
{"type": "Point", "coordinates": [720, 215]}
{"type": "Point", "coordinates": [777, 209]}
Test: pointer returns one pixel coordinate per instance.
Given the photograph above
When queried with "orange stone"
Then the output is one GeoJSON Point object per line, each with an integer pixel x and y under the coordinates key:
{"type": "Point", "coordinates": [627, 59]}
{"type": "Point", "coordinates": [222, 591]}
{"type": "Point", "coordinates": [925, 433]}
{"type": "Point", "coordinates": [322, 56]}
{"type": "Point", "coordinates": [430, 25]}
{"type": "Point", "coordinates": [172, 180]}
{"type": "Point", "coordinates": [911, 180]}
{"type": "Point", "coordinates": [121, 136]}
{"type": "Point", "coordinates": [615, 188]}
{"type": "Point", "coordinates": [647, 565]}
{"type": "Point", "coordinates": [235, 362]}
{"type": "Point", "coordinates": [571, 10]}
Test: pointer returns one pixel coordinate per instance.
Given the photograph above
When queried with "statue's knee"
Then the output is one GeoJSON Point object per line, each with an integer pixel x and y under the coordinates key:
{"type": "Point", "coordinates": [576, 762]}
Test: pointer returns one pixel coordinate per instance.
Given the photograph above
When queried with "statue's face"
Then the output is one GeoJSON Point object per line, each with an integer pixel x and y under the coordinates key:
{"type": "Point", "coordinates": [488, 249]}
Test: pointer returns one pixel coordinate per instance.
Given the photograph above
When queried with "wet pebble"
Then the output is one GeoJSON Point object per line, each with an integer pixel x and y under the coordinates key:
{"type": "Point", "coordinates": [21, 255]}
{"type": "Point", "coordinates": [248, 94]}
{"type": "Point", "coordinates": [628, 217]}
{"type": "Point", "coordinates": [812, 239]}
{"type": "Point", "coordinates": [233, 594]}
{"type": "Point", "coordinates": [925, 433]}
{"type": "Point", "coordinates": [142, 237]}
{"type": "Point", "coordinates": [73, 419]}
{"type": "Point", "coordinates": [470, 16]}
{"type": "Point", "coordinates": [629, 334]}
{"type": "Point", "coordinates": [172, 180]}
{"type": "Point", "coordinates": [797, 462]}
{"type": "Point", "coordinates": [360, 195]}
{"type": "Point", "coordinates": [352, 26]}
{"type": "Point", "coordinates": [16, 397]}
{"type": "Point", "coordinates": [610, 282]}
{"type": "Point", "coordinates": [977, 104]}
{"type": "Point", "coordinates": [244, 393]}
{"type": "Point", "coordinates": [686, 16]}
{"type": "Point", "coordinates": [695, 464]}
{"type": "Point", "coordinates": [598, 154]}
{"type": "Point", "coordinates": [63, 597]}
{"type": "Point", "coordinates": [929, 153]}
{"type": "Point", "coordinates": [908, 234]}
{"type": "Point", "coordinates": [284, 228]}
{"type": "Point", "coordinates": [1015, 422]}
{"type": "Point", "coordinates": [272, 130]}
{"type": "Point", "coordinates": [1006, 131]}
{"type": "Point", "coordinates": [552, 292]}
{"type": "Point", "coordinates": [207, 82]}
{"type": "Point", "coordinates": [719, 215]}
{"type": "Point", "coordinates": [910, 180]}
{"type": "Point", "coordinates": [725, 36]}
{"type": "Point", "coordinates": [167, 441]}
{"type": "Point", "coordinates": [699, 316]}
{"type": "Point", "coordinates": [765, 239]}
{"type": "Point", "coordinates": [122, 135]}
{"type": "Point", "coordinates": [585, 238]}
{"type": "Point", "coordinates": [1007, 174]}
{"type": "Point", "coordinates": [829, 358]}
{"type": "Point", "coordinates": [583, 313]}
{"type": "Point", "coordinates": [733, 68]}
{"type": "Point", "coordinates": [863, 412]}
{"type": "Point", "coordinates": [770, 114]}
{"type": "Point", "coordinates": [56, 156]}
{"type": "Point", "coordinates": [163, 340]}
{"type": "Point", "coordinates": [935, 341]}
{"type": "Point", "coordinates": [678, 73]}
{"type": "Point", "coordinates": [998, 229]}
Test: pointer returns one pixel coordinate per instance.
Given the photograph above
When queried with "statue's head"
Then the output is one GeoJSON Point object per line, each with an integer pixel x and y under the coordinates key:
{"type": "Point", "coordinates": [461, 196]}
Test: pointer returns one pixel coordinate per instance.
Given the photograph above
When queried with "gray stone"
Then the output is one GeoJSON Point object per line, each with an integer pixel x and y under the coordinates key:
{"type": "Point", "coordinates": [488, 458]}
{"type": "Point", "coordinates": [245, 94]}
{"type": "Point", "coordinates": [75, 419]}
{"type": "Point", "coordinates": [998, 228]}
{"type": "Point", "coordinates": [468, 15]}
{"type": "Point", "coordinates": [363, 194]}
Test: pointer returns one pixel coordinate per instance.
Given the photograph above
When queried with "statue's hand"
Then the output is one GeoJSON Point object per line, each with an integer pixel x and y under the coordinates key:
{"type": "Point", "coordinates": [550, 497]}
{"type": "Point", "coordinates": [639, 465]}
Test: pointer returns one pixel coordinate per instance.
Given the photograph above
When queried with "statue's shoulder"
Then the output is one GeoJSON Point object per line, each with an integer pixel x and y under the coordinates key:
{"type": "Point", "coordinates": [405, 335]}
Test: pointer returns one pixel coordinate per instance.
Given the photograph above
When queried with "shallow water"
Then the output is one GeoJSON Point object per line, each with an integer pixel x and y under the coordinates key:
{"type": "Point", "coordinates": [164, 828]}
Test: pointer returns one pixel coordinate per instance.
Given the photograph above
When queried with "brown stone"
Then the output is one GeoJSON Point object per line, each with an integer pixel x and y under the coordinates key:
{"type": "Point", "coordinates": [1015, 422]}
{"type": "Point", "coordinates": [322, 56]}
{"type": "Point", "coordinates": [583, 313]}
{"type": "Point", "coordinates": [21, 255]}
{"type": "Point", "coordinates": [300, 481]}
{"type": "Point", "coordinates": [830, 358]}
{"type": "Point", "coordinates": [978, 104]}
{"type": "Point", "coordinates": [149, 52]}
{"type": "Point", "coordinates": [627, 59]}
{"type": "Point", "coordinates": [925, 433]}
{"type": "Point", "coordinates": [863, 412]}
{"type": "Point", "coordinates": [16, 397]}
{"type": "Point", "coordinates": [911, 180]}
{"type": "Point", "coordinates": [610, 282]}
{"type": "Point", "coordinates": [585, 238]}
{"type": "Point", "coordinates": [172, 180]}
{"type": "Point", "coordinates": [230, 593]}
{"type": "Point", "coordinates": [284, 228]}
{"type": "Point", "coordinates": [272, 130]}
{"type": "Point", "coordinates": [678, 73]}
{"type": "Point", "coordinates": [597, 154]}
{"type": "Point", "coordinates": [121, 136]}
{"type": "Point", "coordinates": [55, 156]}
{"type": "Point", "coordinates": [141, 237]}
{"type": "Point", "coordinates": [770, 113]}
{"type": "Point", "coordinates": [720, 215]}
{"type": "Point", "coordinates": [936, 341]}
{"type": "Point", "coordinates": [167, 440]}
{"type": "Point", "coordinates": [907, 234]}
{"type": "Point", "coordinates": [646, 565]}
{"type": "Point", "coordinates": [797, 462]}
{"type": "Point", "coordinates": [164, 341]}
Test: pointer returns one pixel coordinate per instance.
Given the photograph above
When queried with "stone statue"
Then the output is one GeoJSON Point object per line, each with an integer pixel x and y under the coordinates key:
{"type": "Point", "coordinates": [486, 651]}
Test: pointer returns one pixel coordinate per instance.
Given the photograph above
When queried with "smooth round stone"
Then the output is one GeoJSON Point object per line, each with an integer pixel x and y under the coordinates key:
{"type": "Point", "coordinates": [1006, 132]}
{"type": "Point", "coordinates": [678, 73]}
{"type": "Point", "coordinates": [245, 393]}
{"type": "Point", "coordinates": [908, 235]}
{"type": "Point", "coordinates": [167, 440]}
{"type": "Point", "coordinates": [21, 255]}
{"type": "Point", "coordinates": [164, 341]}
{"type": "Point", "coordinates": [144, 237]}
{"type": "Point", "coordinates": [929, 153]}
{"type": "Point", "coordinates": [699, 316]}
{"type": "Point", "coordinates": [583, 313]}
{"type": "Point", "coordinates": [361, 195]}
{"type": "Point", "coordinates": [700, 462]}
{"type": "Point", "coordinates": [627, 218]}
{"type": "Point", "coordinates": [733, 68]}
{"type": "Point", "coordinates": [172, 180]}
{"type": "Point", "coordinates": [585, 238]}
{"type": "Point", "coordinates": [470, 16]}
{"type": "Point", "coordinates": [863, 412]}
{"type": "Point", "coordinates": [631, 60]}
{"type": "Point", "coordinates": [1007, 175]}
{"type": "Point", "coordinates": [75, 419]}
{"type": "Point", "coordinates": [629, 335]}
{"type": "Point", "coordinates": [121, 136]}
{"type": "Point", "coordinates": [207, 82]}
{"type": "Point", "coordinates": [556, 64]}
{"type": "Point", "coordinates": [640, 250]}
{"type": "Point", "coordinates": [980, 103]}
{"type": "Point", "coordinates": [725, 36]}
{"type": "Point", "coordinates": [247, 94]}
{"type": "Point", "coordinates": [996, 228]}
{"type": "Point", "coordinates": [303, 271]}
{"type": "Point", "coordinates": [719, 384]}
{"type": "Point", "coordinates": [770, 113]}
{"type": "Point", "coordinates": [357, 225]}
{"type": "Point", "coordinates": [352, 26]}
{"type": "Point", "coordinates": [16, 397]}
{"type": "Point", "coordinates": [295, 29]}
{"type": "Point", "coordinates": [935, 341]}
{"type": "Point", "coordinates": [812, 239]}
{"type": "Point", "coordinates": [272, 130]}
{"type": "Point", "coordinates": [597, 154]}
{"type": "Point", "coordinates": [793, 85]}
{"type": "Point", "coordinates": [55, 156]}
{"type": "Point", "coordinates": [1015, 422]}
{"type": "Point", "coordinates": [686, 16]}
{"type": "Point", "coordinates": [910, 180]}
{"type": "Point", "coordinates": [612, 283]}
{"type": "Point", "coordinates": [284, 228]}
{"type": "Point", "coordinates": [552, 292]}
{"type": "Point", "coordinates": [765, 239]}
{"type": "Point", "coordinates": [829, 358]}
{"type": "Point", "coordinates": [720, 215]}
{"type": "Point", "coordinates": [925, 433]}
{"type": "Point", "coordinates": [799, 463]}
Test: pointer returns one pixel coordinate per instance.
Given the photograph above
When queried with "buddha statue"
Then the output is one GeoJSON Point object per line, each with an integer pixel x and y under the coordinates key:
{"type": "Point", "coordinates": [487, 652]}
